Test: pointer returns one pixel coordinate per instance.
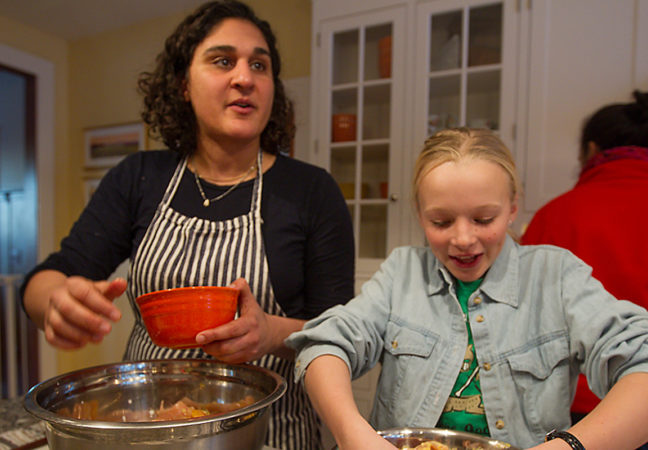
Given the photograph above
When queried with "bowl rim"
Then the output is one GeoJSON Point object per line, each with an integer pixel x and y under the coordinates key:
{"type": "Point", "coordinates": [35, 409]}
{"type": "Point", "coordinates": [148, 295]}
{"type": "Point", "coordinates": [403, 432]}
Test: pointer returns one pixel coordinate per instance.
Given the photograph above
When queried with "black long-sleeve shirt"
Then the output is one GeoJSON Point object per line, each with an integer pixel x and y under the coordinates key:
{"type": "Point", "coordinates": [306, 228]}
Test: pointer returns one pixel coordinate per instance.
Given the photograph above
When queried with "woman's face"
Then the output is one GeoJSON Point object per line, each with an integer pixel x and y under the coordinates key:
{"type": "Point", "coordinates": [230, 84]}
{"type": "Point", "coordinates": [465, 209]}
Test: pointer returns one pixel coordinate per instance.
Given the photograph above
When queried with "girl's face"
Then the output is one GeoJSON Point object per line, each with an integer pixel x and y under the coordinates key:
{"type": "Point", "coordinates": [230, 84]}
{"type": "Point", "coordinates": [465, 209]}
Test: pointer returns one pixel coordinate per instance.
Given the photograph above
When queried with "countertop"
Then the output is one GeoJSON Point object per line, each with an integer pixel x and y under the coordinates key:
{"type": "Point", "coordinates": [18, 428]}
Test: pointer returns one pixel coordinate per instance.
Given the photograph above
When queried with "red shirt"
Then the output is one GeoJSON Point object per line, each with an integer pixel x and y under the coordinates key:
{"type": "Point", "coordinates": [604, 221]}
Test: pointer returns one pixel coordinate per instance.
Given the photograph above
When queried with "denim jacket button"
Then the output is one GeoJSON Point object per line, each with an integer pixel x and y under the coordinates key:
{"type": "Point", "coordinates": [479, 318]}
{"type": "Point", "coordinates": [394, 345]}
{"type": "Point", "coordinates": [478, 300]}
{"type": "Point", "coordinates": [499, 424]}
{"type": "Point", "coordinates": [487, 366]}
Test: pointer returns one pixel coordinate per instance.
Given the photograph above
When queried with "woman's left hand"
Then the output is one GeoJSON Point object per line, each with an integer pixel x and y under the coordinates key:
{"type": "Point", "coordinates": [253, 335]}
{"type": "Point", "coordinates": [241, 340]}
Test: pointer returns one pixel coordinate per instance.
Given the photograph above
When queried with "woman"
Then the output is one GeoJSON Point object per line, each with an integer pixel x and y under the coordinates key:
{"type": "Point", "coordinates": [477, 333]}
{"type": "Point", "coordinates": [603, 207]}
{"type": "Point", "coordinates": [222, 207]}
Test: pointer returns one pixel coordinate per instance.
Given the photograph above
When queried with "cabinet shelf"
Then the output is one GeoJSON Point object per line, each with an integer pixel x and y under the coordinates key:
{"type": "Point", "coordinates": [365, 142]}
{"type": "Point", "coordinates": [356, 85]}
{"type": "Point", "coordinates": [376, 142]}
{"type": "Point", "coordinates": [344, 86]}
{"type": "Point", "coordinates": [377, 82]}
{"type": "Point", "coordinates": [484, 68]}
{"type": "Point", "coordinates": [459, 71]}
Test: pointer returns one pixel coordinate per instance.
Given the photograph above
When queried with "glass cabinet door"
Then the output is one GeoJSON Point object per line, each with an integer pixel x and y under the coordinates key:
{"type": "Point", "coordinates": [359, 144]}
{"type": "Point", "coordinates": [463, 65]}
{"type": "Point", "coordinates": [465, 71]}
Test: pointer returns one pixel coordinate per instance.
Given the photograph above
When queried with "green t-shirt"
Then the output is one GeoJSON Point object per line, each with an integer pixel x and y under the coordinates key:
{"type": "Point", "coordinates": [464, 410]}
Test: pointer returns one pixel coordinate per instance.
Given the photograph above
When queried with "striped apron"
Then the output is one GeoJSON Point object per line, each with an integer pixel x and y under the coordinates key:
{"type": "Point", "coordinates": [179, 251]}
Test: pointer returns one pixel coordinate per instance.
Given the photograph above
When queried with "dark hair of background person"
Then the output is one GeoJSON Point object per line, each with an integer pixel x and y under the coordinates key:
{"type": "Point", "coordinates": [617, 125]}
{"type": "Point", "coordinates": [170, 115]}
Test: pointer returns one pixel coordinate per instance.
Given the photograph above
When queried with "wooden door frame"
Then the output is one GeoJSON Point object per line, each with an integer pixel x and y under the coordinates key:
{"type": "Point", "coordinates": [43, 71]}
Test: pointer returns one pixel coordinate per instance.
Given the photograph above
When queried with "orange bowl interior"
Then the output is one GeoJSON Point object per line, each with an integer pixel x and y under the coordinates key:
{"type": "Point", "coordinates": [174, 317]}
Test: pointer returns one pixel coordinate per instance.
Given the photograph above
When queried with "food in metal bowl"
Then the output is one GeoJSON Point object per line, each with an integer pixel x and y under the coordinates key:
{"type": "Point", "coordinates": [429, 445]}
{"type": "Point", "coordinates": [141, 386]}
{"type": "Point", "coordinates": [440, 439]}
{"type": "Point", "coordinates": [184, 408]}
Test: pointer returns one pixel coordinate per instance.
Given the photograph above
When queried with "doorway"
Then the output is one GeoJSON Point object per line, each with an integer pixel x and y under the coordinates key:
{"type": "Point", "coordinates": [18, 228]}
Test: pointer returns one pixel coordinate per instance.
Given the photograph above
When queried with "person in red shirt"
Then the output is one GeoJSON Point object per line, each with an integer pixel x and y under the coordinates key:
{"type": "Point", "coordinates": [604, 219]}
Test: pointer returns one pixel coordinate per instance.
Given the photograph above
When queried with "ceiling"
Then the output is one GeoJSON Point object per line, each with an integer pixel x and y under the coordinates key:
{"type": "Point", "coordinates": [73, 19]}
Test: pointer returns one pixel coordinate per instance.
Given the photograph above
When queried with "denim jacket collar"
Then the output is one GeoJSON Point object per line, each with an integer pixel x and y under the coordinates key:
{"type": "Point", "coordinates": [501, 281]}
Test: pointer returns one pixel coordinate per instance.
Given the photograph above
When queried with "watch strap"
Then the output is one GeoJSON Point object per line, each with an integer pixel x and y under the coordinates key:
{"type": "Point", "coordinates": [567, 437]}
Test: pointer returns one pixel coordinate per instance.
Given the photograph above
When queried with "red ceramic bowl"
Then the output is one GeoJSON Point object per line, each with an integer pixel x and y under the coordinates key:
{"type": "Point", "coordinates": [173, 317]}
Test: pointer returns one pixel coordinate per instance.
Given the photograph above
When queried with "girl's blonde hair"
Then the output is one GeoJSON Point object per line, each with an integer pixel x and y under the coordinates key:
{"type": "Point", "coordinates": [455, 144]}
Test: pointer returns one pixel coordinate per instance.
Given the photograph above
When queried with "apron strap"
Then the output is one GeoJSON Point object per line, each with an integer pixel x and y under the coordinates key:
{"type": "Point", "coordinates": [172, 187]}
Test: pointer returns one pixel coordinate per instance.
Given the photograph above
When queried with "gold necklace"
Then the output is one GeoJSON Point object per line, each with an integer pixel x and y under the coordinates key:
{"type": "Point", "coordinates": [207, 201]}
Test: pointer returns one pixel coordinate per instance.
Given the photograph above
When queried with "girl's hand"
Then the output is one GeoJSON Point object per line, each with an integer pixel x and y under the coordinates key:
{"type": "Point", "coordinates": [359, 434]}
{"type": "Point", "coordinates": [81, 311]}
{"type": "Point", "coordinates": [369, 440]}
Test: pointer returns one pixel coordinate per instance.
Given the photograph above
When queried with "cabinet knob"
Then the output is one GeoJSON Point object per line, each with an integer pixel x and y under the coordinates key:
{"type": "Point", "coordinates": [393, 197]}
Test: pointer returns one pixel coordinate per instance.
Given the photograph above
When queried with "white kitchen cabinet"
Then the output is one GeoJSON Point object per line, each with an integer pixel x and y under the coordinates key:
{"type": "Point", "coordinates": [393, 72]}
{"type": "Point", "coordinates": [530, 69]}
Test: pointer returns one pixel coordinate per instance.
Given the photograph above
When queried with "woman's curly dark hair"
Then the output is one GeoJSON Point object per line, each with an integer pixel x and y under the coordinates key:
{"type": "Point", "coordinates": [167, 112]}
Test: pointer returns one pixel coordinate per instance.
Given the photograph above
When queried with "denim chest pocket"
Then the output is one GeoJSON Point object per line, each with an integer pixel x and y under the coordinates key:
{"type": "Point", "coordinates": [541, 378]}
{"type": "Point", "coordinates": [541, 360]}
{"type": "Point", "coordinates": [400, 341]}
{"type": "Point", "coordinates": [406, 365]}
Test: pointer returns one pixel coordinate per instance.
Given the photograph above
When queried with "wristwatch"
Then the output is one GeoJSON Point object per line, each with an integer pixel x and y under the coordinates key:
{"type": "Point", "coordinates": [566, 436]}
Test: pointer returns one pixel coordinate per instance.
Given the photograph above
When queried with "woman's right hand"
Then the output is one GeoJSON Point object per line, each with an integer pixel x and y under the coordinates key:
{"type": "Point", "coordinates": [80, 310]}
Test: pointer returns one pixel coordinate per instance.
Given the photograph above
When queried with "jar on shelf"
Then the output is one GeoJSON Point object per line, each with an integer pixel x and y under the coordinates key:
{"type": "Point", "coordinates": [344, 127]}
{"type": "Point", "coordinates": [384, 56]}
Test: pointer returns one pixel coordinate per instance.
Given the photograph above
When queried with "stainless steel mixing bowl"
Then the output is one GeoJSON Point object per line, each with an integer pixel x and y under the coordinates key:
{"type": "Point", "coordinates": [143, 385]}
{"type": "Point", "coordinates": [411, 437]}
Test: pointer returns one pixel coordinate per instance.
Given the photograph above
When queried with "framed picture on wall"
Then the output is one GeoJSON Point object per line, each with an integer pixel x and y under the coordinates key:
{"type": "Point", "coordinates": [106, 146]}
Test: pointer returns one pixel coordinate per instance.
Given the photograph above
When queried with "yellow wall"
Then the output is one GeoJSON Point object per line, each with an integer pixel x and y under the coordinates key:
{"type": "Point", "coordinates": [291, 22]}
{"type": "Point", "coordinates": [103, 75]}
{"type": "Point", "coordinates": [95, 86]}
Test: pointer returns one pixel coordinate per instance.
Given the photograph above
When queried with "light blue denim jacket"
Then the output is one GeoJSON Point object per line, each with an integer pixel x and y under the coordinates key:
{"type": "Point", "coordinates": [538, 319]}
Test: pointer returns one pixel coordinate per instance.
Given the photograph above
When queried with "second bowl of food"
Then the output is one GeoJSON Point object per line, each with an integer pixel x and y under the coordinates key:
{"type": "Point", "coordinates": [173, 317]}
{"type": "Point", "coordinates": [440, 439]}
